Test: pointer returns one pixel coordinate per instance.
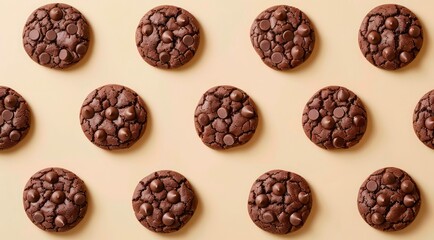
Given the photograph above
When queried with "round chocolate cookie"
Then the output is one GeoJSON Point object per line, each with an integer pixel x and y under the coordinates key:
{"type": "Point", "coordinates": [113, 117]}
{"type": "Point", "coordinates": [283, 36]}
{"type": "Point", "coordinates": [55, 199]}
{"type": "Point", "coordinates": [334, 118]}
{"type": "Point", "coordinates": [56, 35]}
{"type": "Point", "coordinates": [280, 202]}
{"type": "Point", "coordinates": [164, 201]}
{"type": "Point", "coordinates": [389, 199]}
{"type": "Point", "coordinates": [390, 36]}
{"type": "Point", "coordinates": [225, 117]}
{"type": "Point", "coordinates": [167, 37]}
{"type": "Point", "coordinates": [14, 118]}
{"type": "Point", "coordinates": [423, 119]}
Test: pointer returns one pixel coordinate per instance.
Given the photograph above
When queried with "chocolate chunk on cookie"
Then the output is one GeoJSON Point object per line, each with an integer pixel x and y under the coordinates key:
{"type": "Point", "coordinates": [423, 119]}
{"type": "Point", "coordinates": [14, 118]}
{"type": "Point", "coordinates": [334, 118]}
{"type": "Point", "coordinates": [56, 35]}
{"type": "Point", "coordinates": [390, 36]}
{"type": "Point", "coordinates": [283, 36]}
{"type": "Point", "coordinates": [389, 199]}
{"type": "Point", "coordinates": [167, 37]}
{"type": "Point", "coordinates": [280, 202]}
{"type": "Point", "coordinates": [113, 117]}
{"type": "Point", "coordinates": [225, 117]}
{"type": "Point", "coordinates": [164, 201]}
{"type": "Point", "coordinates": [55, 199]}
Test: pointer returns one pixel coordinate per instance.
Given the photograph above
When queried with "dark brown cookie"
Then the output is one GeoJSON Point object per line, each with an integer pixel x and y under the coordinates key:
{"type": "Point", "coordinates": [14, 118]}
{"type": "Point", "coordinates": [56, 35]}
{"type": "Point", "coordinates": [113, 117]}
{"type": "Point", "coordinates": [423, 119]}
{"type": "Point", "coordinates": [390, 36]}
{"type": "Point", "coordinates": [334, 118]}
{"type": "Point", "coordinates": [283, 36]}
{"type": "Point", "coordinates": [167, 37]}
{"type": "Point", "coordinates": [225, 117]}
{"type": "Point", "coordinates": [280, 202]}
{"type": "Point", "coordinates": [164, 201]}
{"type": "Point", "coordinates": [389, 199]}
{"type": "Point", "coordinates": [55, 199]}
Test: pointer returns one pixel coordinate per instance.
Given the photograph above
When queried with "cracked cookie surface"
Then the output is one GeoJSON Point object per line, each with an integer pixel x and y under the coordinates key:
{"type": "Point", "coordinates": [280, 202]}
{"type": "Point", "coordinates": [164, 201]}
{"type": "Point", "coordinates": [56, 35]}
{"type": "Point", "coordinates": [113, 117]}
{"type": "Point", "coordinates": [225, 117]}
{"type": "Point", "coordinates": [423, 119]}
{"type": "Point", "coordinates": [334, 118]}
{"type": "Point", "coordinates": [167, 37]}
{"type": "Point", "coordinates": [389, 199]}
{"type": "Point", "coordinates": [390, 36]}
{"type": "Point", "coordinates": [14, 118]}
{"type": "Point", "coordinates": [55, 199]}
{"type": "Point", "coordinates": [283, 36]}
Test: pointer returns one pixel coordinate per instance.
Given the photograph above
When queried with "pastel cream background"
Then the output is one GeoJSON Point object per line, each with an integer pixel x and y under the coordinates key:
{"type": "Point", "coordinates": [221, 179]}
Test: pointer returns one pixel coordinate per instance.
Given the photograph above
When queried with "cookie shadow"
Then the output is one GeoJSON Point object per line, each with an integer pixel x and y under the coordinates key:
{"type": "Point", "coordinates": [84, 223]}
{"type": "Point", "coordinates": [188, 227]}
{"type": "Point", "coordinates": [137, 145]}
{"type": "Point", "coordinates": [23, 142]}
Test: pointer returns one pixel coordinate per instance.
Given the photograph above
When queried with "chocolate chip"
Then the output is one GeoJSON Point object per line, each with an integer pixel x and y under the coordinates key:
{"type": "Point", "coordinates": [146, 209]}
{"type": "Point", "coordinates": [56, 13]}
{"type": "Point", "coordinates": [262, 201]}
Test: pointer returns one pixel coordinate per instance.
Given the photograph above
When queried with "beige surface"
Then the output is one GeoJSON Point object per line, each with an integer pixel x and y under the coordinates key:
{"type": "Point", "coordinates": [221, 179]}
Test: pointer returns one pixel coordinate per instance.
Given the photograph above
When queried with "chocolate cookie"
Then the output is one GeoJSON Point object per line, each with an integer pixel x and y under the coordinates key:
{"type": "Point", "coordinates": [389, 199]}
{"type": "Point", "coordinates": [280, 202]}
{"type": "Point", "coordinates": [113, 117]}
{"type": "Point", "coordinates": [164, 201]}
{"type": "Point", "coordinates": [225, 117]}
{"type": "Point", "coordinates": [334, 118]}
{"type": "Point", "coordinates": [14, 118]}
{"type": "Point", "coordinates": [167, 37]}
{"type": "Point", "coordinates": [283, 37]}
{"type": "Point", "coordinates": [56, 35]}
{"type": "Point", "coordinates": [55, 199]}
{"type": "Point", "coordinates": [390, 36]}
{"type": "Point", "coordinates": [423, 119]}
